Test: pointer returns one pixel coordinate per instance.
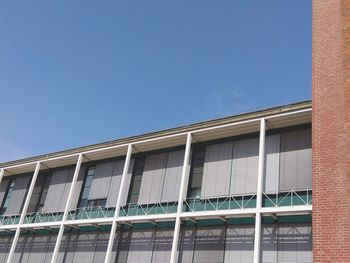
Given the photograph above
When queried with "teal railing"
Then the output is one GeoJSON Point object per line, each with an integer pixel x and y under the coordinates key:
{"type": "Point", "coordinates": [148, 209]}
{"type": "Point", "coordinates": [215, 204]}
{"type": "Point", "coordinates": [288, 198]}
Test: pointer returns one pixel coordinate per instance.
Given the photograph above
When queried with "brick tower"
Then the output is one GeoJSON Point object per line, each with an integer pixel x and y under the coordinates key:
{"type": "Point", "coordinates": [331, 130]}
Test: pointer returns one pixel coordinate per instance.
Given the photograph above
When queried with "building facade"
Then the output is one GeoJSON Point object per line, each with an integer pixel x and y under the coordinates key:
{"type": "Point", "coordinates": [237, 189]}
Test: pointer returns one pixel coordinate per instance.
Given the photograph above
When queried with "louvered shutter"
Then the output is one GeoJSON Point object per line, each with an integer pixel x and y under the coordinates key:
{"type": "Point", "coordinates": [239, 245]}
{"type": "Point", "coordinates": [210, 245]}
{"type": "Point", "coordinates": [66, 189]}
{"type": "Point", "coordinates": [56, 191]}
{"type": "Point", "coordinates": [5, 246]}
{"type": "Point", "coordinates": [294, 243]}
{"type": "Point", "coordinates": [272, 149]}
{"type": "Point", "coordinates": [187, 245]}
{"type": "Point", "coordinates": [38, 252]}
{"type": "Point", "coordinates": [127, 183]}
{"type": "Point", "coordinates": [140, 247]}
{"type": "Point", "coordinates": [18, 195]}
{"type": "Point", "coordinates": [172, 178]}
{"type": "Point", "coordinates": [101, 246]}
{"type": "Point", "coordinates": [295, 160]}
{"type": "Point", "coordinates": [101, 180]}
{"type": "Point", "coordinates": [162, 245]}
{"type": "Point", "coordinates": [245, 167]}
{"type": "Point", "coordinates": [3, 187]}
{"type": "Point", "coordinates": [217, 170]}
{"type": "Point", "coordinates": [68, 247]}
{"type": "Point", "coordinates": [304, 160]}
{"type": "Point", "coordinates": [122, 249]}
{"type": "Point", "coordinates": [269, 244]}
{"type": "Point", "coordinates": [153, 178]}
{"type": "Point", "coordinates": [85, 247]}
{"type": "Point", "coordinates": [20, 248]}
{"type": "Point", "coordinates": [77, 187]}
{"type": "Point", "coordinates": [114, 187]}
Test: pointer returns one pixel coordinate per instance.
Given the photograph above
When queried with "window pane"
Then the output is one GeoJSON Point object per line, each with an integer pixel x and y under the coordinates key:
{"type": "Point", "coordinates": [196, 181]}
{"type": "Point", "coordinates": [134, 198]}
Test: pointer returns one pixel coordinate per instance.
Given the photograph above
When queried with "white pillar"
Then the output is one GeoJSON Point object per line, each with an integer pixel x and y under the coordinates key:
{"type": "Point", "coordinates": [117, 207]}
{"type": "Point", "coordinates": [181, 199]}
{"type": "Point", "coordinates": [24, 212]}
{"type": "Point", "coordinates": [2, 172]}
{"type": "Point", "coordinates": [66, 209]}
{"type": "Point", "coordinates": [257, 238]}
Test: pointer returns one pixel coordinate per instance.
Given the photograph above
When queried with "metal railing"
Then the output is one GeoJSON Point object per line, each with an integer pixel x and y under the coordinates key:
{"type": "Point", "coordinates": [43, 217]}
{"type": "Point", "coordinates": [288, 198]}
{"type": "Point", "coordinates": [91, 213]}
{"type": "Point", "coordinates": [215, 204]}
{"type": "Point", "coordinates": [9, 219]}
{"type": "Point", "coordinates": [134, 209]}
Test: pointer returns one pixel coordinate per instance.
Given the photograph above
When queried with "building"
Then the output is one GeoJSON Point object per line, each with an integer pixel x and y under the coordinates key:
{"type": "Point", "coordinates": [236, 189]}
{"type": "Point", "coordinates": [260, 208]}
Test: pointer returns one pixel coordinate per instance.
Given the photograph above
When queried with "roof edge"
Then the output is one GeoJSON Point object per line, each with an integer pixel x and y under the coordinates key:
{"type": "Point", "coordinates": [185, 128]}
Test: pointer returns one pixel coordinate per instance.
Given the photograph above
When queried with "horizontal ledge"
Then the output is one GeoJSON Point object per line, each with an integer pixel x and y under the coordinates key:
{"type": "Point", "coordinates": [215, 214]}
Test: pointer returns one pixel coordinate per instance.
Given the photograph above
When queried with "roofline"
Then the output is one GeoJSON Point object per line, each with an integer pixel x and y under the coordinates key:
{"type": "Point", "coordinates": [186, 128]}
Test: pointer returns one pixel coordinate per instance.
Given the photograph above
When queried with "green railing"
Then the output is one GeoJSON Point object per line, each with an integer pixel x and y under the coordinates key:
{"type": "Point", "coordinates": [91, 213]}
{"type": "Point", "coordinates": [215, 204]}
{"type": "Point", "coordinates": [43, 217]}
{"type": "Point", "coordinates": [9, 219]}
{"type": "Point", "coordinates": [290, 198]}
{"type": "Point", "coordinates": [148, 209]}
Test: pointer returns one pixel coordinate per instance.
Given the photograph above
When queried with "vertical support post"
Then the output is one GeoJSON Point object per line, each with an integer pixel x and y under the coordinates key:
{"type": "Point", "coordinates": [181, 199]}
{"type": "Point", "coordinates": [66, 209]}
{"type": "Point", "coordinates": [2, 172]}
{"type": "Point", "coordinates": [117, 207]}
{"type": "Point", "coordinates": [257, 238]}
{"type": "Point", "coordinates": [24, 212]}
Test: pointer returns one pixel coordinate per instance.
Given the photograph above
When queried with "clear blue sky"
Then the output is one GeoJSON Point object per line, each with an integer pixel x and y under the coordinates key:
{"type": "Point", "coordinates": [74, 73]}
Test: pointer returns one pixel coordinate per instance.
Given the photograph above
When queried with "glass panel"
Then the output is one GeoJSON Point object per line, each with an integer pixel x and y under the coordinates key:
{"type": "Point", "coordinates": [196, 175]}
{"type": "Point", "coordinates": [86, 187]}
{"type": "Point", "coordinates": [8, 196]}
{"type": "Point", "coordinates": [137, 185]}
{"type": "Point", "coordinates": [97, 202]}
{"type": "Point", "coordinates": [136, 180]}
{"type": "Point", "coordinates": [134, 198]}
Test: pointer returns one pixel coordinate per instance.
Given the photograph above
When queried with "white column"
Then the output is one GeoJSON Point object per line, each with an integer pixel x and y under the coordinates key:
{"type": "Point", "coordinates": [2, 172]}
{"type": "Point", "coordinates": [66, 209]}
{"type": "Point", "coordinates": [181, 199]}
{"type": "Point", "coordinates": [24, 212]}
{"type": "Point", "coordinates": [257, 239]}
{"type": "Point", "coordinates": [117, 207]}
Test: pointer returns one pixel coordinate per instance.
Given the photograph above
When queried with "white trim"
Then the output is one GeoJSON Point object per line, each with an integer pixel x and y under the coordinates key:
{"type": "Point", "coordinates": [67, 207]}
{"type": "Point", "coordinates": [2, 172]}
{"type": "Point", "coordinates": [117, 206]}
{"type": "Point", "coordinates": [257, 235]}
{"type": "Point", "coordinates": [287, 113]}
{"type": "Point", "coordinates": [180, 202]}
{"type": "Point", "coordinates": [155, 139]}
{"type": "Point", "coordinates": [246, 212]}
{"type": "Point", "coordinates": [23, 213]}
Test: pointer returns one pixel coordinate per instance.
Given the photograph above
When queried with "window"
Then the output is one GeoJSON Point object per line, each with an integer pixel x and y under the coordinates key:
{"type": "Point", "coordinates": [84, 195]}
{"type": "Point", "coordinates": [196, 175]}
{"type": "Point", "coordinates": [7, 197]}
{"type": "Point", "coordinates": [136, 180]}
{"type": "Point", "coordinates": [97, 202]}
{"type": "Point", "coordinates": [40, 190]}
{"type": "Point", "coordinates": [44, 190]}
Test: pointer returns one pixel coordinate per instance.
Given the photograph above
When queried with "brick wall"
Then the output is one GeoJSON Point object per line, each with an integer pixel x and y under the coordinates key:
{"type": "Point", "coordinates": [331, 130]}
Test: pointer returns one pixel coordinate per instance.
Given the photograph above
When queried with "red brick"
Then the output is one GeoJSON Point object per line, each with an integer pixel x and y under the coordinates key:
{"type": "Point", "coordinates": [331, 130]}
